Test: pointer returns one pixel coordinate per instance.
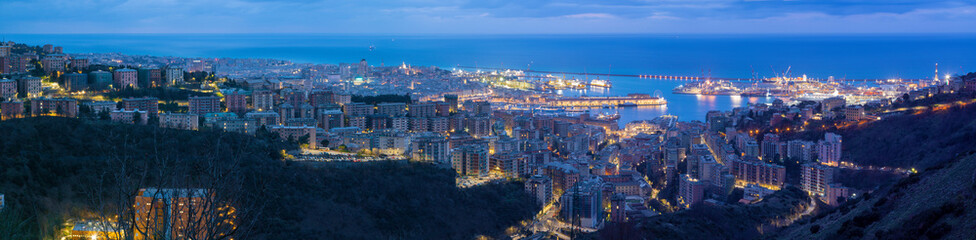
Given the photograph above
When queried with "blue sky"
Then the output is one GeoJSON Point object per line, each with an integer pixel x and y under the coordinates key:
{"type": "Point", "coordinates": [487, 16]}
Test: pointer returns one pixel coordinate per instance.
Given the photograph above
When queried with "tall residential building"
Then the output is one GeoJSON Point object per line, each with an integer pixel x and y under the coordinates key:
{"type": "Point", "coordinates": [430, 148]}
{"type": "Point", "coordinates": [63, 107]}
{"type": "Point", "coordinates": [98, 107]}
{"type": "Point", "coordinates": [11, 109]}
{"type": "Point", "coordinates": [263, 100]}
{"type": "Point", "coordinates": [357, 121]}
{"type": "Point", "coordinates": [148, 104]}
{"type": "Point", "coordinates": [246, 126]}
{"type": "Point", "coordinates": [185, 121]}
{"type": "Point", "coordinates": [78, 64]}
{"type": "Point", "coordinates": [264, 118]}
{"type": "Point", "coordinates": [329, 119]}
{"type": "Point", "coordinates": [583, 204]}
{"type": "Point", "coordinates": [338, 98]}
{"type": "Point", "coordinates": [129, 116]}
{"type": "Point", "coordinates": [443, 109]}
{"type": "Point", "coordinates": [854, 113]}
{"type": "Point", "coordinates": [5, 63]}
{"type": "Point", "coordinates": [125, 78]}
{"type": "Point", "coordinates": [202, 105]}
{"type": "Point", "coordinates": [770, 147]}
{"type": "Point", "coordinates": [150, 77]}
{"type": "Point", "coordinates": [717, 121]}
{"type": "Point", "coordinates": [29, 87]}
{"type": "Point", "coordinates": [477, 107]}
{"type": "Point", "coordinates": [18, 64]}
{"type": "Point", "coordinates": [52, 64]}
{"type": "Point", "coordinates": [512, 164]}
{"type": "Point", "coordinates": [439, 124]}
{"type": "Point", "coordinates": [363, 69]}
{"type": "Point", "coordinates": [452, 102]}
{"type": "Point", "coordinates": [99, 80]}
{"type": "Point", "coordinates": [835, 193]}
{"type": "Point", "coordinates": [690, 191]}
{"type": "Point", "coordinates": [479, 126]}
{"type": "Point", "coordinates": [392, 109]}
{"type": "Point", "coordinates": [471, 160]}
{"type": "Point", "coordinates": [815, 178]}
{"type": "Point", "coordinates": [422, 110]}
{"type": "Point", "coordinates": [8, 89]}
{"type": "Point", "coordinates": [236, 103]}
{"type": "Point", "coordinates": [296, 133]}
{"type": "Point", "coordinates": [294, 97]}
{"type": "Point", "coordinates": [319, 97]}
{"type": "Point", "coordinates": [286, 111]}
{"type": "Point", "coordinates": [401, 124]}
{"type": "Point", "coordinates": [357, 109]}
{"type": "Point", "coordinates": [829, 149]}
{"type": "Point", "coordinates": [830, 104]}
{"type": "Point", "coordinates": [751, 170]}
{"type": "Point", "coordinates": [173, 75]}
{"type": "Point", "coordinates": [801, 150]}
{"type": "Point", "coordinates": [419, 124]}
{"type": "Point", "coordinates": [673, 155]}
{"type": "Point", "coordinates": [75, 82]}
{"type": "Point", "coordinates": [540, 187]}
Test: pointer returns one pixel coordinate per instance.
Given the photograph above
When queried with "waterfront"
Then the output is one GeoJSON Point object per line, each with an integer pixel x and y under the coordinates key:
{"type": "Point", "coordinates": [819, 56]}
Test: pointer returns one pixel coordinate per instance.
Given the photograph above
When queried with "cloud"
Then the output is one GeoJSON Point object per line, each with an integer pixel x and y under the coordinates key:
{"type": "Point", "coordinates": [485, 16]}
{"type": "Point", "coordinates": [590, 15]}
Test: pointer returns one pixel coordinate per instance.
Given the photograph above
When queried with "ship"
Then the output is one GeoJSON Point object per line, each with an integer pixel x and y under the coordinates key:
{"type": "Point", "coordinates": [600, 83]}
{"type": "Point", "coordinates": [627, 104]}
{"type": "Point", "coordinates": [707, 87]}
{"type": "Point", "coordinates": [608, 116]}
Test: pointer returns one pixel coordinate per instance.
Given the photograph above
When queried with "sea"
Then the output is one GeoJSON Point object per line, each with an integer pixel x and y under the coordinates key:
{"type": "Point", "coordinates": [820, 56]}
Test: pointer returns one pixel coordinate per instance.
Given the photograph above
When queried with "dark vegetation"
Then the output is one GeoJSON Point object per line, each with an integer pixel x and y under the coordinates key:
{"type": "Point", "coordinates": [387, 98]}
{"type": "Point", "coordinates": [921, 140]}
{"type": "Point", "coordinates": [56, 169]}
{"type": "Point", "coordinates": [724, 222]}
{"type": "Point", "coordinates": [936, 203]}
{"type": "Point", "coordinates": [198, 77]}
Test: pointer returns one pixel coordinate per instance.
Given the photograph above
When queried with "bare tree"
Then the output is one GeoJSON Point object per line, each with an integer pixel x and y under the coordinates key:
{"type": "Point", "coordinates": [174, 195]}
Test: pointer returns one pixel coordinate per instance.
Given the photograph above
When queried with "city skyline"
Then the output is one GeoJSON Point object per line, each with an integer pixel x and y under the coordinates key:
{"type": "Point", "coordinates": [487, 17]}
{"type": "Point", "coordinates": [493, 119]}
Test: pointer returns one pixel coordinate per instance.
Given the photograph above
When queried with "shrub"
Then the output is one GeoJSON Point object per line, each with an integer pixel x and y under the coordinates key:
{"type": "Point", "coordinates": [815, 228]}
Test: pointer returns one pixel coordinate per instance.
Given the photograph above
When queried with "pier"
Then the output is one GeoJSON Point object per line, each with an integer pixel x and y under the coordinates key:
{"type": "Point", "coordinates": [630, 100]}
{"type": "Point", "coordinates": [656, 77]}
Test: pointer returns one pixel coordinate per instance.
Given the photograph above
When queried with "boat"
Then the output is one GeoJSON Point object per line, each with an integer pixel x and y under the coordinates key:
{"type": "Point", "coordinates": [608, 116]}
{"type": "Point", "coordinates": [600, 83]}
{"type": "Point", "coordinates": [627, 104]}
{"type": "Point", "coordinates": [707, 87]}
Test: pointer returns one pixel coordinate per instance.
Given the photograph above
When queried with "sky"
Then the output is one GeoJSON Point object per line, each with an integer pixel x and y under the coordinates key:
{"type": "Point", "coordinates": [487, 16]}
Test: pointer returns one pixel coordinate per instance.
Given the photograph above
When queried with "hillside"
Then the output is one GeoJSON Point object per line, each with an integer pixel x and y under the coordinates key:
{"type": "Point", "coordinates": [720, 222]}
{"type": "Point", "coordinates": [53, 170]}
{"type": "Point", "coordinates": [918, 140]}
{"type": "Point", "coordinates": [921, 140]}
{"type": "Point", "coordinates": [935, 204]}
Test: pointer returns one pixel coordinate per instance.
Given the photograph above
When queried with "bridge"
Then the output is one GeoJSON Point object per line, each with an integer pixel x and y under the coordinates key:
{"type": "Point", "coordinates": [654, 77]}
